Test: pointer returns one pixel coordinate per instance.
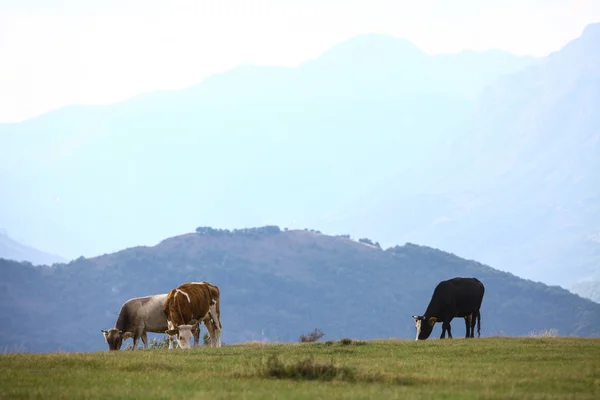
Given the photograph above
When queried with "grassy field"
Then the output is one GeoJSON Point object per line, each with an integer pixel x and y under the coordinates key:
{"type": "Point", "coordinates": [487, 368]}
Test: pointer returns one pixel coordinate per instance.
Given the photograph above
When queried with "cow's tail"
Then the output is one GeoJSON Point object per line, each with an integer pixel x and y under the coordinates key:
{"type": "Point", "coordinates": [478, 323]}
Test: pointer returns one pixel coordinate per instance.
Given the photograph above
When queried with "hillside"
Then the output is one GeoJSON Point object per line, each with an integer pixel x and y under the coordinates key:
{"type": "Point", "coordinates": [12, 250]}
{"type": "Point", "coordinates": [251, 146]}
{"type": "Point", "coordinates": [275, 285]}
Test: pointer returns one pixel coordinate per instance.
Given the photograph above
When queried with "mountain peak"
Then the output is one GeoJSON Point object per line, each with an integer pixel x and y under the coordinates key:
{"type": "Point", "coordinates": [372, 46]}
{"type": "Point", "coordinates": [592, 31]}
{"type": "Point", "coordinates": [580, 53]}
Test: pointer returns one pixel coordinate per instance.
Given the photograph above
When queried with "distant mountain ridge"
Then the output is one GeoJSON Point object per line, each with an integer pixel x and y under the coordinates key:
{"type": "Point", "coordinates": [347, 119]}
{"type": "Point", "coordinates": [275, 285]}
{"type": "Point", "coordinates": [482, 154]}
{"type": "Point", "coordinates": [533, 166]}
{"type": "Point", "coordinates": [12, 250]}
{"type": "Point", "coordinates": [517, 186]}
{"type": "Point", "coordinates": [588, 289]}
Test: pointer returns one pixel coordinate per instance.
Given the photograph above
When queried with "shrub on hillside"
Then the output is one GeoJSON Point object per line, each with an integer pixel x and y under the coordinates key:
{"type": "Point", "coordinates": [312, 336]}
{"type": "Point", "coordinates": [264, 230]}
{"type": "Point", "coordinates": [370, 242]}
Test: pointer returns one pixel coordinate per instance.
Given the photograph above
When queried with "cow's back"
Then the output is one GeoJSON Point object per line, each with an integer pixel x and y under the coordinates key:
{"type": "Point", "coordinates": [152, 314]}
{"type": "Point", "coordinates": [187, 302]}
{"type": "Point", "coordinates": [200, 298]}
{"type": "Point", "coordinates": [468, 294]}
{"type": "Point", "coordinates": [460, 296]}
{"type": "Point", "coordinates": [142, 312]}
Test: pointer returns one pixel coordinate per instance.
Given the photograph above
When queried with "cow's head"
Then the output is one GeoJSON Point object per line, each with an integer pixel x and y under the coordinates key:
{"type": "Point", "coordinates": [424, 326]}
{"type": "Point", "coordinates": [184, 334]}
{"type": "Point", "coordinates": [115, 337]}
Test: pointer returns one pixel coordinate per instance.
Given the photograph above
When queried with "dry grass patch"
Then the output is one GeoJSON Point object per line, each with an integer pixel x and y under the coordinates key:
{"type": "Point", "coordinates": [309, 369]}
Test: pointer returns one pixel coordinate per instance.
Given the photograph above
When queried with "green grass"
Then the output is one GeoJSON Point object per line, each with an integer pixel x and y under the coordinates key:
{"type": "Point", "coordinates": [487, 368]}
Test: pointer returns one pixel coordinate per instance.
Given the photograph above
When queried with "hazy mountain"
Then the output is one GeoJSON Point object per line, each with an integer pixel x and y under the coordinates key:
{"type": "Point", "coordinates": [13, 250]}
{"type": "Point", "coordinates": [587, 289]}
{"type": "Point", "coordinates": [274, 285]}
{"type": "Point", "coordinates": [252, 146]}
{"type": "Point", "coordinates": [519, 186]}
{"type": "Point", "coordinates": [373, 136]}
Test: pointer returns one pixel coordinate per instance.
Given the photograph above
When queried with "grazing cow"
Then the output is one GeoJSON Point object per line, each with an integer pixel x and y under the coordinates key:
{"type": "Point", "coordinates": [138, 316]}
{"type": "Point", "coordinates": [457, 297]}
{"type": "Point", "coordinates": [191, 303]}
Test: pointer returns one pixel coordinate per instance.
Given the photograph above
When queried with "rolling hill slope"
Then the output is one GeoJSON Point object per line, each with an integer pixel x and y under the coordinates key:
{"type": "Point", "coordinates": [275, 285]}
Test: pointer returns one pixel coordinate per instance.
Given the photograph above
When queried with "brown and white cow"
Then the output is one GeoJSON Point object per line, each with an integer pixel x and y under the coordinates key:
{"type": "Point", "coordinates": [138, 316]}
{"type": "Point", "coordinates": [191, 303]}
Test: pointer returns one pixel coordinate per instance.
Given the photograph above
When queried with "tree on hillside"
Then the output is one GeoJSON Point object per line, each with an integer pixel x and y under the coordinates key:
{"type": "Point", "coordinates": [369, 241]}
{"type": "Point", "coordinates": [264, 230]}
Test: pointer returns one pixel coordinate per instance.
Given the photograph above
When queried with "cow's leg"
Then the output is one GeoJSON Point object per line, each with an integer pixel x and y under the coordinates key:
{"type": "Point", "coordinates": [216, 323]}
{"type": "Point", "coordinates": [197, 336]}
{"type": "Point", "coordinates": [473, 321]}
{"type": "Point", "coordinates": [467, 326]}
{"type": "Point", "coordinates": [218, 333]}
{"type": "Point", "coordinates": [215, 333]}
{"type": "Point", "coordinates": [170, 326]}
{"type": "Point", "coordinates": [140, 333]}
{"type": "Point", "coordinates": [145, 340]}
{"type": "Point", "coordinates": [446, 327]}
{"type": "Point", "coordinates": [478, 324]}
{"type": "Point", "coordinates": [211, 331]}
{"type": "Point", "coordinates": [136, 338]}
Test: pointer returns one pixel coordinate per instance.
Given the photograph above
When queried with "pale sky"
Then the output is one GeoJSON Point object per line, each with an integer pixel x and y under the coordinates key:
{"type": "Point", "coordinates": [59, 52]}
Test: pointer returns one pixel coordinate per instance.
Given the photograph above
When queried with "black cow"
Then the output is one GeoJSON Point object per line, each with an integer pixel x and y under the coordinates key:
{"type": "Point", "coordinates": [456, 297]}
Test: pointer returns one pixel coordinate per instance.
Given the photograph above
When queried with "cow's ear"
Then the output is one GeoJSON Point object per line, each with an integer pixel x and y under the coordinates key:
{"type": "Point", "coordinates": [105, 333]}
{"type": "Point", "coordinates": [432, 321]}
{"type": "Point", "coordinates": [195, 329]}
{"type": "Point", "coordinates": [171, 332]}
{"type": "Point", "coordinates": [126, 335]}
